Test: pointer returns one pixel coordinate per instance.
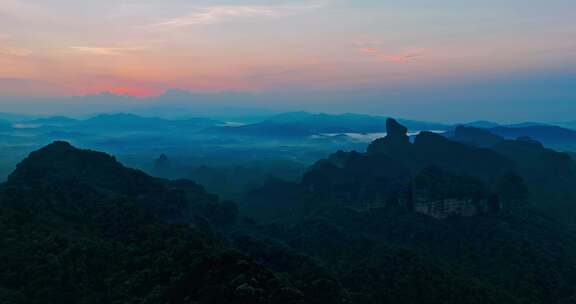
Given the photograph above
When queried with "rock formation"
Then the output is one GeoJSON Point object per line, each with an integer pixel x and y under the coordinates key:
{"type": "Point", "coordinates": [395, 142]}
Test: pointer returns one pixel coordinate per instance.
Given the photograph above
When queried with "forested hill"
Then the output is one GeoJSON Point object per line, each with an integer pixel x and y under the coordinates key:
{"type": "Point", "coordinates": [480, 206]}
{"type": "Point", "coordinates": [406, 222]}
{"type": "Point", "coordinates": [79, 227]}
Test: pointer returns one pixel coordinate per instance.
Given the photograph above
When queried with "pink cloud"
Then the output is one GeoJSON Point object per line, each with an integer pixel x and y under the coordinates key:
{"type": "Point", "coordinates": [221, 13]}
{"type": "Point", "coordinates": [399, 57]}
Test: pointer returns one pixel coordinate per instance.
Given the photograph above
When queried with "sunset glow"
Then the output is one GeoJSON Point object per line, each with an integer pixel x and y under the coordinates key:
{"type": "Point", "coordinates": [131, 91]}
{"type": "Point", "coordinates": [142, 48]}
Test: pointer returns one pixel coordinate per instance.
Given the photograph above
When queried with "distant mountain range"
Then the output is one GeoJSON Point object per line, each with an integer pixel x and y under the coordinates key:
{"type": "Point", "coordinates": [349, 122]}
{"type": "Point", "coordinates": [111, 122]}
{"type": "Point", "coordinates": [549, 135]}
{"type": "Point", "coordinates": [53, 121]}
{"type": "Point", "coordinates": [568, 124]}
{"type": "Point", "coordinates": [293, 125]}
{"type": "Point", "coordinates": [296, 124]}
{"type": "Point", "coordinates": [552, 136]}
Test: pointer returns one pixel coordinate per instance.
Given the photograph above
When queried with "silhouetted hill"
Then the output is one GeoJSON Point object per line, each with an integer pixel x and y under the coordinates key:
{"type": "Point", "coordinates": [130, 122]}
{"type": "Point", "coordinates": [79, 227]}
{"type": "Point", "coordinates": [476, 137]}
{"type": "Point", "coordinates": [434, 149]}
{"type": "Point", "coordinates": [549, 135]}
{"type": "Point", "coordinates": [60, 165]}
{"type": "Point", "coordinates": [13, 117]}
{"type": "Point", "coordinates": [60, 162]}
{"type": "Point", "coordinates": [569, 124]}
{"type": "Point", "coordinates": [431, 149]}
{"type": "Point", "coordinates": [302, 124]}
{"type": "Point", "coordinates": [122, 120]}
{"type": "Point", "coordinates": [554, 136]}
{"type": "Point", "coordinates": [54, 121]}
{"type": "Point", "coordinates": [459, 212]}
{"type": "Point", "coordinates": [550, 175]}
{"type": "Point", "coordinates": [265, 129]}
{"type": "Point", "coordinates": [347, 123]}
{"type": "Point", "coordinates": [481, 124]}
{"type": "Point", "coordinates": [526, 124]}
{"type": "Point", "coordinates": [432, 175]}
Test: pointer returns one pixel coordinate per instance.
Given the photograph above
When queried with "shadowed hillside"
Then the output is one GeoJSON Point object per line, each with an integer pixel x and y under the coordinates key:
{"type": "Point", "coordinates": [430, 220]}
{"type": "Point", "coordinates": [79, 227]}
{"type": "Point", "coordinates": [470, 211]}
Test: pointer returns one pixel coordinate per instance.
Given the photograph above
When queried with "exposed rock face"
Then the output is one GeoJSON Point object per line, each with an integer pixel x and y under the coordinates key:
{"type": "Point", "coordinates": [395, 142]}
{"type": "Point", "coordinates": [395, 171]}
{"type": "Point", "coordinates": [396, 130]}
{"type": "Point", "coordinates": [441, 194]}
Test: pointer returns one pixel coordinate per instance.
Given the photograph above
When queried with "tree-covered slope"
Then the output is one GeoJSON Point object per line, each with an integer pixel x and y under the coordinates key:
{"type": "Point", "coordinates": [76, 229]}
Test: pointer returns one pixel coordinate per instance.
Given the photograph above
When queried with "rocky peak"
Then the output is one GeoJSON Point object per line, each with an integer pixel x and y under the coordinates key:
{"type": "Point", "coordinates": [162, 161]}
{"type": "Point", "coordinates": [162, 166]}
{"type": "Point", "coordinates": [396, 140]}
{"type": "Point", "coordinates": [395, 129]}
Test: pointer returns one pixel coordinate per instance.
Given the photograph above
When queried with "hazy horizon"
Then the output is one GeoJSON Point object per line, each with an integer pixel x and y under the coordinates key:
{"type": "Point", "coordinates": [178, 103]}
{"type": "Point", "coordinates": [508, 61]}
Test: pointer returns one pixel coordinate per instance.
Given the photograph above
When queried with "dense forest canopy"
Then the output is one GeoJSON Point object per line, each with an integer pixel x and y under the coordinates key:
{"type": "Point", "coordinates": [468, 216]}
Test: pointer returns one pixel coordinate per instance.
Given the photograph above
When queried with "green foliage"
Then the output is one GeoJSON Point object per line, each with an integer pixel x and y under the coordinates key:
{"type": "Point", "coordinates": [117, 254]}
{"type": "Point", "coordinates": [386, 253]}
{"type": "Point", "coordinates": [76, 229]}
{"type": "Point", "coordinates": [79, 227]}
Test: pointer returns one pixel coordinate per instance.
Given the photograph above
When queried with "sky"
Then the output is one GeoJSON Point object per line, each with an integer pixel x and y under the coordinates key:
{"type": "Point", "coordinates": [434, 59]}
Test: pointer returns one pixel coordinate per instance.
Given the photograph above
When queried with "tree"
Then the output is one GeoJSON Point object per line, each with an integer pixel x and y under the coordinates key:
{"type": "Point", "coordinates": [512, 191]}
